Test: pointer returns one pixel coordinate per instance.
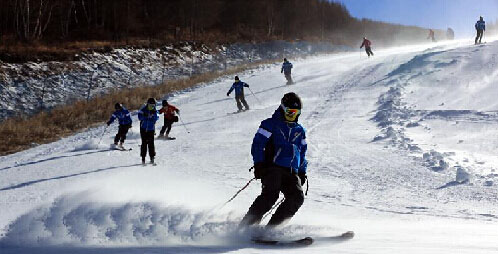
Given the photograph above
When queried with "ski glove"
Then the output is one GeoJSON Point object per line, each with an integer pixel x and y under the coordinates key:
{"type": "Point", "coordinates": [259, 170]}
{"type": "Point", "coordinates": [303, 178]}
{"type": "Point", "coordinates": [228, 94]}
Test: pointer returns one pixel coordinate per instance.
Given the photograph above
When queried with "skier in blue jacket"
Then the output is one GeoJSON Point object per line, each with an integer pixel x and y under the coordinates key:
{"type": "Point", "coordinates": [148, 117]}
{"type": "Point", "coordinates": [238, 86]}
{"type": "Point", "coordinates": [124, 119]}
{"type": "Point", "coordinates": [278, 151]}
{"type": "Point", "coordinates": [286, 69]}
{"type": "Point", "coordinates": [480, 28]}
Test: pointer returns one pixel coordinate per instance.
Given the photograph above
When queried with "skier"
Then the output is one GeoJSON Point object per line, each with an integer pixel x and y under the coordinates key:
{"type": "Point", "coordinates": [367, 45]}
{"type": "Point", "coordinates": [239, 93]}
{"type": "Point", "coordinates": [278, 151]}
{"type": "Point", "coordinates": [148, 117]}
{"type": "Point", "coordinates": [286, 69]}
{"type": "Point", "coordinates": [169, 118]}
{"type": "Point", "coordinates": [431, 35]}
{"type": "Point", "coordinates": [124, 119]}
{"type": "Point", "coordinates": [480, 28]}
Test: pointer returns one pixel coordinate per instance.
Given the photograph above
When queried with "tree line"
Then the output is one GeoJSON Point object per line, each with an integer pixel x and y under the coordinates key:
{"type": "Point", "coordinates": [58, 21]}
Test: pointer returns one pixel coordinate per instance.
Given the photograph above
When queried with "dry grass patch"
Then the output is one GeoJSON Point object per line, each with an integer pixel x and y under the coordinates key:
{"type": "Point", "coordinates": [45, 127]}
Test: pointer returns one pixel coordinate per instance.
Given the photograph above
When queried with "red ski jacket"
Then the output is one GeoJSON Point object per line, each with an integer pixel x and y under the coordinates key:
{"type": "Point", "coordinates": [366, 43]}
{"type": "Point", "coordinates": [169, 111]}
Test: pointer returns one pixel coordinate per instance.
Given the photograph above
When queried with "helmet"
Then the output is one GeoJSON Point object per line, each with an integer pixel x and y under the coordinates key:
{"type": "Point", "coordinates": [480, 18]}
{"type": "Point", "coordinates": [237, 78]}
{"type": "Point", "coordinates": [118, 106]}
{"type": "Point", "coordinates": [291, 100]}
{"type": "Point", "coordinates": [285, 59]}
{"type": "Point", "coordinates": [364, 38]}
{"type": "Point", "coordinates": [291, 107]}
{"type": "Point", "coordinates": [165, 103]}
{"type": "Point", "coordinates": [151, 101]}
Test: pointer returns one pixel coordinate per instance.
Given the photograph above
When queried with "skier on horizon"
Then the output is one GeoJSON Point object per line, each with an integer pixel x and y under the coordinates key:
{"type": "Point", "coordinates": [286, 69]}
{"type": "Point", "coordinates": [169, 118]}
{"type": "Point", "coordinates": [278, 151]}
{"type": "Point", "coordinates": [431, 35]}
{"type": "Point", "coordinates": [124, 120]}
{"type": "Point", "coordinates": [238, 86]}
{"type": "Point", "coordinates": [368, 47]}
{"type": "Point", "coordinates": [148, 118]}
{"type": "Point", "coordinates": [480, 28]}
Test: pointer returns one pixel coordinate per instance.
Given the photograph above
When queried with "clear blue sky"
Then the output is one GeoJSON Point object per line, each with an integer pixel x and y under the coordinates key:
{"type": "Point", "coordinates": [460, 15]}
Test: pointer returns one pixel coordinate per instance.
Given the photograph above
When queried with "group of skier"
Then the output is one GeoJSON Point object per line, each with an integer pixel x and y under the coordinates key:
{"type": "Point", "coordinates": [278, 147]}
{"type": "Point", "coordinates": [148, 116]}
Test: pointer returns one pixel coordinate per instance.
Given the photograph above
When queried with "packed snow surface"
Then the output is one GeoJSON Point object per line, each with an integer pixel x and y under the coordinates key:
{"type": "Point", "coordinates": [402, 150]}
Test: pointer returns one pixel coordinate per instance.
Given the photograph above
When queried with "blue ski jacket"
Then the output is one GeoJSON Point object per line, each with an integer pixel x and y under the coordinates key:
{"type": "Point", "coordinates": [239, 88]}
{"type": "Point", "coordinates": [480, 25]}
{"type": "Point", "coordinates": [286, 67]}
{"type": "Point", "coordinates": [280, 143]}
{"type": "Point", "coordinates": [123, 116]}
{"type": "Point", "coordinates": [148, 118]}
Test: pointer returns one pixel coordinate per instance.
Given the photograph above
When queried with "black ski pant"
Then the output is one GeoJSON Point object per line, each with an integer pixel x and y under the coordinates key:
{"type": "Point", "coordinates": [240, 99]}
{"type": "Point", "coordinates": [147, 143]}
{"type": "Point", "coordinates": [167, 126]}
{"type": "Point", "coordinates": [276, 180]}
{"type": "Point", "coordinates": [369, 51]}
{"type": "Point", "coordinates": [288, 77]}
{"type": "Point", "coordinates": [480, 32]}
{"type": "Point", "coordinates": [122, 131]}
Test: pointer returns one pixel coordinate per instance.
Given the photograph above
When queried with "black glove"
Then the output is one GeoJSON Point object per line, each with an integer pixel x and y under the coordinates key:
{"type": "Point", "coordinates": [259, 170]}
{"type": "Point", "coordinates": [302, 177]}
{"type": "Point", "coordinates": [228, 94]}
{"type": "Point", "coordinates": [108, 123]}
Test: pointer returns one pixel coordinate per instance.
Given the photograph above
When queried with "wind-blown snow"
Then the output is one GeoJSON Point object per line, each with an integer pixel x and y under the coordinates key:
{"type": "Point", "coordinates": [401, 150]}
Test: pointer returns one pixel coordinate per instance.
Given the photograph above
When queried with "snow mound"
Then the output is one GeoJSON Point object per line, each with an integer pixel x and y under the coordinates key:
{"type": "Point", "coordinates": [71, 221]}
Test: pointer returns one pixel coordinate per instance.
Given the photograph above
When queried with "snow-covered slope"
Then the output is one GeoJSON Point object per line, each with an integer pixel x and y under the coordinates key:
{"type": "Point", "coordinates": [401, 150]}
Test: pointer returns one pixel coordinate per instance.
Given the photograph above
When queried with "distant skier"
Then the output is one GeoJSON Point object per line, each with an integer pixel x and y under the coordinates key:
{"type": "Point", "coordinates": [278, 151]}
{"type": "Point", "coordinates": [480, 28]}
{"type": "Point", "coordinates": [148, 118]}
{"type": "Point", "coordinates": [431, 35]}
{"type": "Point", "coordinates": [368, 47]}
{"type": "Point", "coordinates": [238, 86]}
{"type": "Point", "coordinates": [169, 118]}
{"type": "Point", "coordinates": [124, 119]}
{"type": "Point", "coordinates": [286, 69]}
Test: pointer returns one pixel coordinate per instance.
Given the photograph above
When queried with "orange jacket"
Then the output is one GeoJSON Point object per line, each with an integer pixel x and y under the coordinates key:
{"type": "Point", "coordinates": [169, 111]}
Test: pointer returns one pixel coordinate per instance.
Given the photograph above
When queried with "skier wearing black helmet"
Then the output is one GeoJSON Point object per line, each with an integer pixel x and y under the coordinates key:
{"type": "Point", "coordinates": [238, 86]}
{"type": "Point", "coordinates": [148, 118]}
{"type": "Point", "coordinates": [286, 69]}
{"type": "Point", "coordinates": [480, 28]}
{"type": "Point", "coordinates": [124, 119]}
{"type": "Point", "coordinates": [278, 151]}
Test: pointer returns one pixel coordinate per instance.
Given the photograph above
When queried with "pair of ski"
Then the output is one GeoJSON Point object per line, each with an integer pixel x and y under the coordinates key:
{"type": "Point", "coordinates": [305, 241]}
{"type": "Point", "coordinates": [166, 138]}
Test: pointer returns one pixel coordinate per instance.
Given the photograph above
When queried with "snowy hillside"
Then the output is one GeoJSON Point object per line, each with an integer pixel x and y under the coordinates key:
{"type": "Point", "coordinates": [402, 150]}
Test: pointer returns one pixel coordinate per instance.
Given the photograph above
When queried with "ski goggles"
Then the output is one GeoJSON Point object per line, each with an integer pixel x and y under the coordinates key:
{"type": "Point", "coordinates": [291, 113]}
{"type": "Point", "coordinates": [151, 106]}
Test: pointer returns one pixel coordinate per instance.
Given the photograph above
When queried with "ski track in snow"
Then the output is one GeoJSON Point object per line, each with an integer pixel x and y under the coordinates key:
{"type": "Point", "coordinates": [401, 148]}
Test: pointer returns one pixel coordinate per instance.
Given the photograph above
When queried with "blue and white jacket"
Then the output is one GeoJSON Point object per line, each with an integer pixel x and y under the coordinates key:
{"type": "Point", "coordinates": [123, 116]}
{"type": "Point", "coordinates": [148, 118]}
{"type": "Point", "coordinates": [239, 88]}
{"type": "Point", "coordinates": [286, 67]}
{"type": "Point", "coordinates": [280, 143]}
{"type": "Point", "coordinates": [480, 25]}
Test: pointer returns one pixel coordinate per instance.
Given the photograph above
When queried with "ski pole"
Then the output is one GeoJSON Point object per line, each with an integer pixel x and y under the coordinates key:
{"type": "Point", "coordinates": [105, 129]}
{"type": "Point", "coordinates": [238, 192]}
{"type": "Point", "coordinates": [255, 96]}
{"type": "Point", "coordinates": [273, 208]}
{"type": "Point", "coordinates": [183, 124]}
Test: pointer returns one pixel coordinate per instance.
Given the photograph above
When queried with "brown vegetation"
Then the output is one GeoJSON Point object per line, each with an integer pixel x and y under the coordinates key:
{"type": "Point", "coordinates": [21, 133]}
